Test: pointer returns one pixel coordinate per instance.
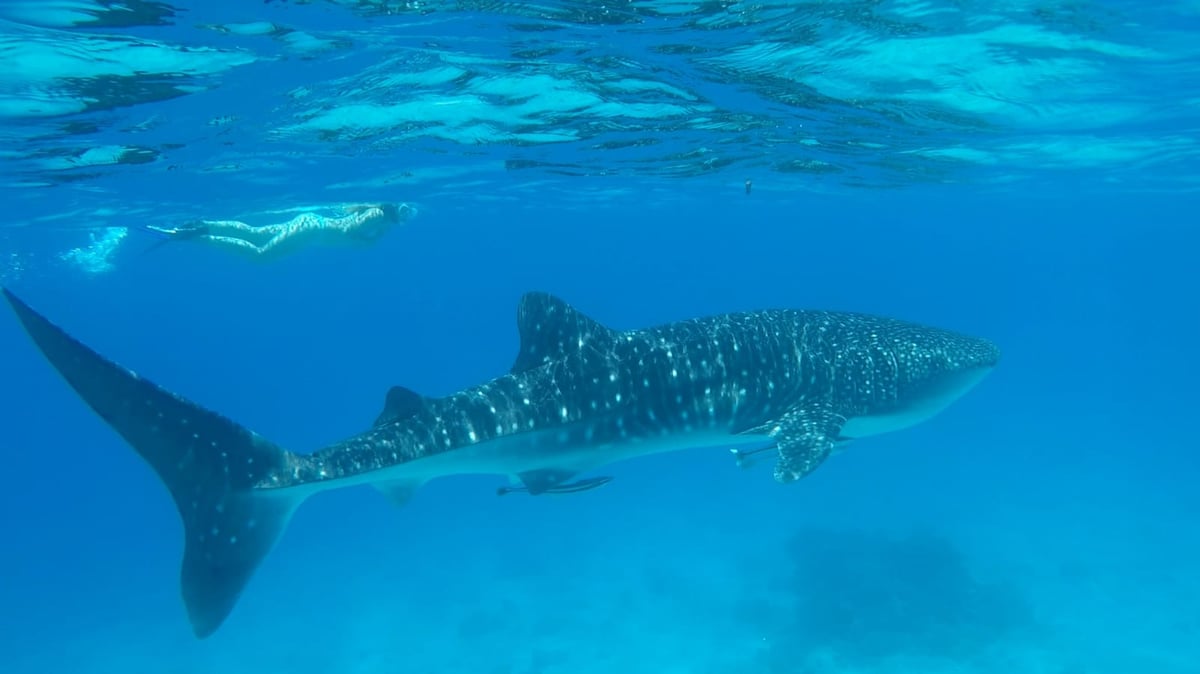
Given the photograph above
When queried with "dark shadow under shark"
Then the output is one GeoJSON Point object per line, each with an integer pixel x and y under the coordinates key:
{"type": "Point", "coordinates": [579, 396]}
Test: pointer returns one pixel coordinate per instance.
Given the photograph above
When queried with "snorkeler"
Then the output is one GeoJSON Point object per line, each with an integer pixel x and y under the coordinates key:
{"type": "Point", "coordinates": [360, 223]}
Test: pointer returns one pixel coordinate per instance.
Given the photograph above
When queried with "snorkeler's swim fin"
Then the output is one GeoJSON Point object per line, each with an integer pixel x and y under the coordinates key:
{"type": "Point", "coordinates": [219, 473]}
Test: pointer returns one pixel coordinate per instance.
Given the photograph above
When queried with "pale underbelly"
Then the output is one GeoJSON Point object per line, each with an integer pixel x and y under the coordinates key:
{"type": "Point", "coordinates": [557, 449]}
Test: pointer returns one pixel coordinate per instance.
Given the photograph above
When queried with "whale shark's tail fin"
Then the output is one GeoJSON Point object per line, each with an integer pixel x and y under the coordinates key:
{"type": "Point", "coordinates": [218, 472]}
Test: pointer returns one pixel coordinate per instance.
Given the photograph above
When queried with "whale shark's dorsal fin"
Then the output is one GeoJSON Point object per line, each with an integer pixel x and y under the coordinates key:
{"type": "Point", "coordinates": [552, 329]}
{"type": "Point", "coordinates": [400, 403]}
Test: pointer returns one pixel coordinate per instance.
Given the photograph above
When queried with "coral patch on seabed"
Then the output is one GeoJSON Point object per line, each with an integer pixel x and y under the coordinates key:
{"type": "Point", "coordinates": [862, 600]}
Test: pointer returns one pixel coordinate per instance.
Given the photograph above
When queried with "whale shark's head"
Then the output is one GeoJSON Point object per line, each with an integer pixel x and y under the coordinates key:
{"type": "Point", "coordinates": [948, 367]}
{"type": "Point", "coordinates": [934, 368]}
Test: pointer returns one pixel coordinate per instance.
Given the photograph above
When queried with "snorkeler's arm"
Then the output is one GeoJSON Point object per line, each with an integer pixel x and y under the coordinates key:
{"type": "Point", "coordinates": [355, 220]}
{"type": "Point", "coordinates": [390, 211]}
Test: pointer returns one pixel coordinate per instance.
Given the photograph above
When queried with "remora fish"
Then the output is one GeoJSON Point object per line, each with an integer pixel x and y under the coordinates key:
{"type": "Point", "coordinates": [580, 395]}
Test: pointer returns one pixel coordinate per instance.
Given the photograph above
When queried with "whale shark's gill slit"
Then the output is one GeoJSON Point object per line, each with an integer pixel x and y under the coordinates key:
{"type": "Point", "coordinates": [209, 464]}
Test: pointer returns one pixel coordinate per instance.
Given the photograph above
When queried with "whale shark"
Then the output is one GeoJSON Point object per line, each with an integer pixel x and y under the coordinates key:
{"type": "Point", "coordinates": [796, 384]}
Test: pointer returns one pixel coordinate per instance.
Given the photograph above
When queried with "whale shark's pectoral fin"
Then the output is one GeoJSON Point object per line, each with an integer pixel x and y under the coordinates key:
{"type": "Point", "coordinates": [805, 437]}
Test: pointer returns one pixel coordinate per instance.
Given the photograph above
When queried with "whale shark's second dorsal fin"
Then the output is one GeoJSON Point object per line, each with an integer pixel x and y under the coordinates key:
{"type": "Point", "coordinates": [400, 403]}
{"type": "Point", "coordinates": [552, 329]}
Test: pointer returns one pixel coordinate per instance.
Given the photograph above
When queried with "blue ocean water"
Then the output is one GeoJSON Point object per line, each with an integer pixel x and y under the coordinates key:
{"type": "Point", "coordinates": [1026, 173]}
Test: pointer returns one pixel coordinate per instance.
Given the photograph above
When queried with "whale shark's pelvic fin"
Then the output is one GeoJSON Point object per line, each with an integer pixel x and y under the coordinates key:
{"type": "Point", "coordinates": [214, 469]}
{"type": "Point", "coordinates": [545, 479]}
{"type": "Point", "coordinates": [551, 481]}
{"type": "Point", "coordinates": [399, 492]}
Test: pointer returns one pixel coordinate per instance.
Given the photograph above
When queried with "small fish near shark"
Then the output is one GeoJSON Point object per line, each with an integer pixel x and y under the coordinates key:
{"type": "Point", "coordinates": [579, 396]}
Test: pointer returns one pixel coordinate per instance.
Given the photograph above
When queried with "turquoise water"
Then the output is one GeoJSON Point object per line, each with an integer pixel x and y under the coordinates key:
{"type": "Point", "coordinates": [1025, 172]}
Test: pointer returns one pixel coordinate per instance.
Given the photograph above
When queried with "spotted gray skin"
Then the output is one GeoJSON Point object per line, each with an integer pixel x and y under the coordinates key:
{"type": "Point", "coordinates": [579, 396]}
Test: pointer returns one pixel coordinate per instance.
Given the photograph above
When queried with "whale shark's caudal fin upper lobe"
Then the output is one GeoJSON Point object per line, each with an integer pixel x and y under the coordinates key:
{"type": "Point", "coordinates": [210, 464]}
